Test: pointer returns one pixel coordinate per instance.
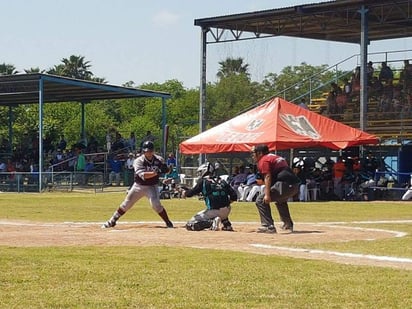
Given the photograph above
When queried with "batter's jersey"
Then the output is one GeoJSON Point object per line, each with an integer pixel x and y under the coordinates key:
{"type": "Point", "coordinates": [142, 164]}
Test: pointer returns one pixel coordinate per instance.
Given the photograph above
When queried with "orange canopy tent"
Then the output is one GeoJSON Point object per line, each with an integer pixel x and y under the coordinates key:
{"type": "Point", "coordinates": [279, 124]}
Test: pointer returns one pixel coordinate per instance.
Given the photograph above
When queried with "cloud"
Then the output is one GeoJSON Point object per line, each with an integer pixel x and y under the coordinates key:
{"type": "Point", "coordinates": [165, 19]}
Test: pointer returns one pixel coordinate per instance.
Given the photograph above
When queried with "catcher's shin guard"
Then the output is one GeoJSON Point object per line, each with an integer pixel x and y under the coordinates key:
{"type": "Point", "coordinates": [198, 225]}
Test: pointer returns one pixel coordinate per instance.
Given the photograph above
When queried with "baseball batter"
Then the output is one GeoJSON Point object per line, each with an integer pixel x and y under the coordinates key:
{"type": "Point", "coordinates": [147, 169]}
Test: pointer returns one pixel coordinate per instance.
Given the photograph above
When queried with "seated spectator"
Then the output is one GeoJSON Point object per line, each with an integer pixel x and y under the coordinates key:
{"type": "Point", "coordinates": [239, 179]}
{"type": "Point", "coordinates": [384, 104]}
{"type": "Point", "coordinates": [375, 88]}
{"type": "Point", "coordinates": [300, 173]}
{"type": "Point", "coordinates": [171, 159]}
{"type": "Point", "coordinates": [88, 169]}
{"type": "Point", "coordinates": [397, 105]}
{"type": "Point", "coordinates": [303, 104]}
{"type": "Point", "coordinates": [245, 188]}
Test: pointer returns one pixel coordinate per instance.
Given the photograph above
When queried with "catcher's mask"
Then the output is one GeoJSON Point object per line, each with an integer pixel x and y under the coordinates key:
{"type": "Point", "coordinates": [206, 169]}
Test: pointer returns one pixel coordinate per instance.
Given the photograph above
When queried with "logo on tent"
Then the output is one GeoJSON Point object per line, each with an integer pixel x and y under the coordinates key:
{"type": "Point", "coordinates": [300, 125]}
{"type": "Point", "coordinates": [254, 124]}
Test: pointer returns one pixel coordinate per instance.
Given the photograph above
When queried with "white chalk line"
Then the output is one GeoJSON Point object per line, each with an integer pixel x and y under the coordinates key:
{"type": "Point", "coordinates": [336, 253]}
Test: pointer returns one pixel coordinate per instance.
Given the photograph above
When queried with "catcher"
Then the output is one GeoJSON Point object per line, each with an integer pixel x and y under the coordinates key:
{"type": "Point", "coordinates": [147, 169]}
{"type": "Point", "coordinates": [218, 195]}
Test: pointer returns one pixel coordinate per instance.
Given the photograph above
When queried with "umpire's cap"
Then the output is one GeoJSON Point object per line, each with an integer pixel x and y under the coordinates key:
{"type": "Point", "coordinates": [260, 148]}
{"type": "Point", "coordinates": [147, 146]}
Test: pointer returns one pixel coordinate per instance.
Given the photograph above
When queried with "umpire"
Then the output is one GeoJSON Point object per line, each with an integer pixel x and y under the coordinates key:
{"type": "Point", "coordinates": [280, 184]}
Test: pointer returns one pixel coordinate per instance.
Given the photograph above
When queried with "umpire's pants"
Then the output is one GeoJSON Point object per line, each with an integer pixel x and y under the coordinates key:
{"type": "Point", "coordinates": [280, 192]}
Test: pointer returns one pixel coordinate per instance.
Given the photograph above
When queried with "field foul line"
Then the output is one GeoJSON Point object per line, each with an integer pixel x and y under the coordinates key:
{"type": "Point", "coordinates": [336, 253]}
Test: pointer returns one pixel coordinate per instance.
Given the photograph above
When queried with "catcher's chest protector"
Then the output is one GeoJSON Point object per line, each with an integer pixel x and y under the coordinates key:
{"type": "Point", "coordinates": [216, 193]}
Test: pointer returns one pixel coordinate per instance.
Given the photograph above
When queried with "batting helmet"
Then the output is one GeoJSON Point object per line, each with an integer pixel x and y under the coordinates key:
{"type": "Point", "coordinates": [148, 146]}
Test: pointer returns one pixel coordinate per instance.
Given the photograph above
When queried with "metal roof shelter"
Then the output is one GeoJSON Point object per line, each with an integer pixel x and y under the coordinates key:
{"type": "Point", "coordinates": [44, 88]}
{"type": "Point", "coordinates": [350, 21]}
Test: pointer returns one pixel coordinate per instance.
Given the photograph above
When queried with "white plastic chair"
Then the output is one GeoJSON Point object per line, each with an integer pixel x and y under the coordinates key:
{"type": "Point", "coordinates": [182, 178]}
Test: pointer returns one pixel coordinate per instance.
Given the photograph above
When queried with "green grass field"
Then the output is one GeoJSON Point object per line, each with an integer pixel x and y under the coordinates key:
{"type": "Point", "coordinates": [167, 277]}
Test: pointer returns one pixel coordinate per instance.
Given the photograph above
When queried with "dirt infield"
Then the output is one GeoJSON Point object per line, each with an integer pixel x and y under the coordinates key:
{"type": "Point", "coordinates": [244, 238]}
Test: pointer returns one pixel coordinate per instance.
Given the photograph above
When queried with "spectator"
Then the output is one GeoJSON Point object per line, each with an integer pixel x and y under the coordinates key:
{"type": "Point", "coordinates": [384, 104]}
{"type": "Point", "coordinates": [220, 170]}
{"type": "Point", "coordinates": [109, 139]}
{"type": "Point", "coordinates": [331, 99]}
{"type": "Point", "coordinates": [244, 188]}
{"type": "Point", "coordinates": [375, 88]}
{"type": "Point", "coordinates": [369, 71]}
{"type": "Point", "coordinates": [239, 179]}
{"type": "Point", "coordinates": [300, 173]}
{"type": "Point", "coordinates": [88, 169]}
{"type": "Point", "coordinates": [386, 74]}
{"type": "Point", "coordinates": [62, 143]}
{"type": "Point", "coordinates": [355, 81]}
{"type": "Point", "coordinates": [148, 137]}
{"type": "Point", "coordinates": [80, 165]}
{"type": "Point", "coordinates": [347, 88]}
{"type": "Point", "coordinates": [171, 160]}
{"type": "Point", "coordinates": [118, 142]}
{"type": "Point", "coordinates": [132, 141]}
{"type": "Point", "coordinates": [369, 165]}
{"type": "Point", "coordinates": [338, 169]}
{"type": "Point", "coordinates": [130, 169]}
{"type": "Point", "coordinates": [406, 77]}
{"type": "Point", "coordinates": [303, 104]}
{"type": "Point", "coordinates": [116, 170]}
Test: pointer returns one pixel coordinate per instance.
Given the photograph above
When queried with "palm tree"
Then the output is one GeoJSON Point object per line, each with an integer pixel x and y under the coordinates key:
{"type": "Point", "coordinates": [232, 66]}
{"type": "Point", "coordinates": [76, 67]}
{"type": "Point", "coordinates": [7, 69]}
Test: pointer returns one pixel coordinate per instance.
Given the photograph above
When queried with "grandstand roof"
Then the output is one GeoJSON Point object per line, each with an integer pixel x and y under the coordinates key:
{"type": "Point", "coordinates": [26, 88]}
{"type": "Point", "coordinates": [331, 21]}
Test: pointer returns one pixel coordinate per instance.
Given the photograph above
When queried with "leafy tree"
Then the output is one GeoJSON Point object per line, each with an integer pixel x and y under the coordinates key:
{"type": "Point", "coordinates": [297, 81]}
{"type": "Point", "coordinates": [7, 69]}
{"type": "Point", "coordinates": [228, 97]}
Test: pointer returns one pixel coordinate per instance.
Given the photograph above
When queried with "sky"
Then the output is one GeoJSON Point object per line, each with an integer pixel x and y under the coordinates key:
{"type": "Point", "coordinates": [154, 41]}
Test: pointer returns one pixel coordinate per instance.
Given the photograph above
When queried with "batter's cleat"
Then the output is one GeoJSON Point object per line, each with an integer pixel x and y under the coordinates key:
{"type": "Point", "coordinates": [267, 229]}
{"type": "Point", "coordinates": [169, 224]}
{"type": "Point", "coordinates": [215, 224]}
{"type": "Point", "coordinates": [227, 228]}
{"type": "Point", "coordinates": [109, 224]}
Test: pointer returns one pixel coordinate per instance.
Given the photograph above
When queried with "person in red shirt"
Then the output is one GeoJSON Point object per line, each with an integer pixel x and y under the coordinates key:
{"type": "Point", "coordinates": [339, 169]}
{"type": "Point", "coordinates": [280, 184]}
